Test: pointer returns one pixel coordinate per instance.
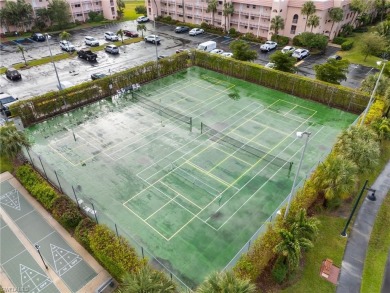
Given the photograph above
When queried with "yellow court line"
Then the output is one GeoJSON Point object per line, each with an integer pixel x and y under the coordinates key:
{"type": "Point", "coordinates": [159, 209]}
{"type": "Point", "coordinates": [282, 116]}
{"type": "Point", "coordinates": [228, 157]}
{"type": "Point", "coordinates": [270, 127]}
{"type": "Point", "coordinates": [237, 158]}
{"type": "Point", "coordinates": [314, 111]}
{"type": "Point", "coordinates": [61, 155]}
{"type": "Point", "coordinates": [290, 110]}
{"type": "Point", "coordinates": [254, 142]}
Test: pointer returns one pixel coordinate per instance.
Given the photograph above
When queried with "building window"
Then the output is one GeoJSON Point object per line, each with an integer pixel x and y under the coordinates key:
{"type": "Point", "coordinates": [251, 28]}
{"type": "Point", "coordinates": [252, 17]}
{"type": "Point", "coordinates": [246, 16]}
{"type": "Point", "coordinates": [293, 29]}
{"type": "Point", "coordinates": [219, 13]}
{"type": "Point", "coordinates": [254, 6]}
{"type": "Point", "coordinates": [220, 2]}
{"type": "Point", "coordinates": [180, 6]}
{"type": "Point", "coordinates": [40, 0]}
{"type": "Point", "coordinates": [247, 6]}
{"type": "Point", "coordinates": [295, 18]}
{"type": "Point", "coordinates": [77, 5]}
{"type": "Point", "coordinates": [79, 14]}
{"type": "Point", "coordinates": [190, 17]}
{"type": "Point", "coordinates": [246, 26]}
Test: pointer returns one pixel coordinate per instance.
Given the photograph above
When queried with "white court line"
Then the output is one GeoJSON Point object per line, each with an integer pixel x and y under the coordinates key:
{"type": "Point", "coordinates": [184, 197]}
{"type": "Point", "coordinates": [45, 236]}
{"type": "Point", "coordinates": [269, 127]}
{"type": "Point", "coordinates": [16, 255]}
{"type": "Point", "coordinates": [237, 158]}
{"type": "Point", "coordinates": [290, 110]}
{"type": "Point", "coordinates": [163, 206]}
{"type": "Point", "coordinates": [254, 142]}
{"type": "Point", "coordinates": [263, 184]}
{"type": "Point", "coordinates": [23, 216]}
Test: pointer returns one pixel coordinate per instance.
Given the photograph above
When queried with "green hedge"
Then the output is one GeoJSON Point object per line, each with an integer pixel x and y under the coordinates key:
{"type": "Point", "coordinates": [281, 40]}
{"type": "Point", "coordinates": [82, 231]}
{"type": "Point", "coordinates": [339, 40]}
{"type": "Point", "coordinates": [66, 212]}
{"type": "Point", "coordinates": [347, 45]}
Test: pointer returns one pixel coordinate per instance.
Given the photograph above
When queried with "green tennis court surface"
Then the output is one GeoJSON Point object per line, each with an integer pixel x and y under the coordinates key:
{"type": "Point", "coordinates": [193, 198]}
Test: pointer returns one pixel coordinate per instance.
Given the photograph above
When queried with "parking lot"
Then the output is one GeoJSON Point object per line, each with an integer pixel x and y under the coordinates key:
{"type": "Point", "coordinates": [40, 79]}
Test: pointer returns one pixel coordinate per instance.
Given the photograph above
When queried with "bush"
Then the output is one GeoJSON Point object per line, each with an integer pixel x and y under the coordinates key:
{"type": "Point", "coordinates": [347, 45]}
{"type": "Point", "coordinates": [361, 29]}
{"type": "Point", "coordinates": [339, 40]}
{"type": "Point", "coordinates": [297, 41]}
{"type": "Point", "coordinates": [281, 40]}
{"type": "Point", "coordinates": [233, 32]}
{"type": "Point", "coordinates": [66, 212]}
{"type": "Point", "coordinates": [45, 194]}
{"type": "Point", "coordinates": [95, 16]}
{"type": "Point", "coordinates": [82, 231]}
{"type": "Point", "coordinates": [252, 38]}
{"type": "Point", "coordinates": [346, 30]}
{"type": "Point", "coordinates": [141, 9]}
{"type": "Point", "coordinates": [279, 271]}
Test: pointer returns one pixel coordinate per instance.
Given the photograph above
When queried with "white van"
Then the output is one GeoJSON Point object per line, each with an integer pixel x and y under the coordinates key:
{"type": "Point", "coordinates": [207, 46]}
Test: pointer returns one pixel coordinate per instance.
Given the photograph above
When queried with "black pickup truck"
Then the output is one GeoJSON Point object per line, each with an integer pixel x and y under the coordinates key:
{"type": "Point", "coordinates": [87, 55]}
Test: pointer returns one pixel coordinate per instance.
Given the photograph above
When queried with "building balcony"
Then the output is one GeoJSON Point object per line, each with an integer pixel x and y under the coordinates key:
{"type": "Point", "coordinates": [172, 1]}
{"type": "Point", "coordinates": [234, 21]}
{"type": "Point", "coordinates": [164, 10]}
{"type": "Point", "coordinates": [244, 13]}
{"type": "Point", "coordinates": [266, 16]}
{"type": "Point", "coordinates": [243, 23]}
{"type": "Point", "coordinates": [163, 1]}
{"type": "Point", "coordinates": [189, 6]}
{"type": "Point", "coordinates": [199, 6]}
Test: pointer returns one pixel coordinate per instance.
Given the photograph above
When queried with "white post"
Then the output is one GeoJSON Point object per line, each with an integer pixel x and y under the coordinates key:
{"type": "Point", "coordinates": [52, 61]}
{"type": "Point", "coordinates": [299, 134]}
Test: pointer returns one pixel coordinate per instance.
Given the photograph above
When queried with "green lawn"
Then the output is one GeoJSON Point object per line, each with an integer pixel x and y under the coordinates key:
{"type": "Point", "coordinates": [378, 249]}
{"type": "Point", "coordinates": [129, 13]}
{"type": "Point", "coordinates": [5, 165]}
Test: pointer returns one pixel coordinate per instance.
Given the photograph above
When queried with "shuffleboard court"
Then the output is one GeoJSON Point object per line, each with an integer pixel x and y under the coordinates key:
{"type": "Point", "coordinates": [190, 166]}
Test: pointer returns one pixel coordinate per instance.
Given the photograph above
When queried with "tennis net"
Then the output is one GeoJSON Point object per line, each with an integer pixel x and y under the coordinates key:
{"type": "Point", "coordinates": [219, 137]}
{"type": "Point", "coordinates": [161, 109]}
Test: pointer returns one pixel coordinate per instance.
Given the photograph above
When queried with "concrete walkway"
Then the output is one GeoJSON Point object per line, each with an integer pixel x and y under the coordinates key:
{"type": "Point", "coordinates": [355, 252]}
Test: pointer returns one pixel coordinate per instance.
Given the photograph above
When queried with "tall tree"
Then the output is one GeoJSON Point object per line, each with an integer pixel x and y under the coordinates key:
{"type": "Point", "coordinates": [283, 62]}
{"type": "Point", "coordinates": [141, 9]}
{"type": "Point", "coordinates": [12, 141]}
{"type": "Point", "coordinates": [43, 17]}
{"type": "Point", "coordinates": [25, 11]}
{"type": "Point", "coordinates": [303, 226]}
{"type": "Point", "coordinates": [277, 23]}
{"type": "Point", "coordinates": [333, 71]}
{"type": "Point", "coordinates": [313, 21]}
{"type": "Point", "coordinates": [120, 4]}
{"type": "Point", "coordinates": [141, 27]}
{"type": "Point", "coordinates": [120, 33]}
{"type": "Point", "coordinates": [228, 10]}
{"type": "Point", "coordinates": [335, 14]}
{"type": "Point", "coordinates": [22, 50]}
{"type": "Point", "coordinates": [371, 44]}
{"type": "Point", "coordinates": [225, 282]}
{"type": "Point", "coordinates": [212, 7]}
{"type": "Point", "coordinates": [59, 12]}
{"type": "Point", "coordinates": [383, 29]}
{"type": "Point", "coordinates": [382, 6]}
{"type": "Point", "coordinates": [308, 9]}
{"type": "Point", "coordinates": [147, 280]}
{"type": "Point", "coordinates": [241, 51]}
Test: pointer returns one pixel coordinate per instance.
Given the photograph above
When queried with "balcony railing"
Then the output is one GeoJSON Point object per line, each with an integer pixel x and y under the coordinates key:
{"type": "Point", "coordinates": [244, 13]}
{"type": "Point", "coordinates": [267, 16]}
{"type": "Point", "coordinates": [232, 21]}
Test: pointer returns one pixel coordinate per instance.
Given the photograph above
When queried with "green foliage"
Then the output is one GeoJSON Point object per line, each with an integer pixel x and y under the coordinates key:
{"type": "Point", "coordinates": [212, 7]}
{"type": "Point", "coordinates": [82, 231]}
{"type": "Point", "coordinates": [283, 62]}
{"type": "Point", "coordinates": [382, 127]}
{"type": "Point", "coordinates": [94, 16]}
{"type": "Point", "coordinates": [66, 212]}
{"type": "Point", "coordinates": [59, 13]}
{"type": "Point", "coordinates": [120, 4]}
{"type": "Point", "coordinates": [6, 165]}
{"type": "Point", "coordinates": [346, 31]}
{"type": "Point", "coordinates": [297, 41]}
{"type": "Point", "coordinates": [368, 84]}
{"type": "Point", "coordinates": [233, 32]}
{"type": "Point", "coordinates": [12, 141]}
{"type": "Point", "coordinates": [339, 40]}
{"type": "Point", "coordinates": [333, 71]}
{"type": "Point", "coordinates": [279, 271]}
{"type": "Point", "coordinates": [141, 9]}
{"type": "Point", "coordinates": [372, 44]}
{"type": "Point", "coordinates": [281, 40]}
{"type": "Point", "coordinates": [146, 280]}
{"type": "Point", "coordinates": [335, 14]}
{"type": "Point", "coordinates": [313, 21]}
{"type": "Point", "coordinates": [347, 45]}
{"type": "Point", "coordinates": [277, 23]}
{"type": "Point", "coordinates": [383, 29]}
{"type": "Point", "coordinates": [115, 253]}
{"type": "Point", "coordinates": [252, 38]}
{"type": "Point", "coordinates": [225, 282]}
{"type": "Point", "coordinates": [311, 41]}
{"type": "Point", "coordinates": [241, 51]}
{"type": "Point", "coordinates": [308, 9]}
{"type": "Point", "coordinates": [141, 27]}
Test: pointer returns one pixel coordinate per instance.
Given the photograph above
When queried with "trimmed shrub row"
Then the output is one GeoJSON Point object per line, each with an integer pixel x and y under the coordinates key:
{"type": "Point", "coordinates": [347, 45]}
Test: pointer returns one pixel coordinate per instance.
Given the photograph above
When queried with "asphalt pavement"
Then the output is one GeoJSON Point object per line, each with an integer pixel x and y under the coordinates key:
{"type": "Point", "coordinates": [350, 278]}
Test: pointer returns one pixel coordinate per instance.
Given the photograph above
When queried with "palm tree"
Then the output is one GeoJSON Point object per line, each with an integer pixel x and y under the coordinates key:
{"type": "Point", "coordinates": [277, 23]}
{"type": "Point", "coordinates": [308, 9]}
{"type": "Point", "coordinates": [26, 13]}
{"type": "Point", "coordinates": [313, 21]}
{"type": "Point", "coordinates": [12, 141]}
{"type": "Point", "coordinates": [22, 50]}
{"type": "Point", "coordinates": [212, 7]}
{"type": "Point", "coordinates": [336, 177]}
{"type": "Point", "coordinates": [65, 36]}
{"type": "Point", "coordinates": [228, 10]}
{"type": "Point", "coordinates": [291, 246]}
{"type": "Point", "coordinates": [141, 27]}
{"type": "Point", "coordinates": [43, 15]}
{"type": "Point", "coordinates": [225, 282]}
{"type": "Point", "coordinates": [147, 280]}
{"type": "Point", "coordinates": [336, 14]}
{"type": "Point", "coordinates": [304, 226]}
{"type": "Point", "coordinates": [120, 33]}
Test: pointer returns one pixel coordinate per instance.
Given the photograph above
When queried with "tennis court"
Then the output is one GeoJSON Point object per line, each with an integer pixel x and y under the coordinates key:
{"type": "Point", "coordinates": [191, 165]}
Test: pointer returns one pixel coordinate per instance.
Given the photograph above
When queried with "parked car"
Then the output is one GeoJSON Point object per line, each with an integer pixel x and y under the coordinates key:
{"type": "Point", "coordinates": [216, 51]}
{"type": "Point", "coordinates": [288, 49]}
{"type": "Point", "coordinates": [13, 74]}
{"type": "Point", "coordinates": [111, 49]}
{"type": "Point", "coordinates": [67, 46]}
{"type": "Point", "coordinates": [162, 57]}
{"type": "Point", "coordinates": [5, 101]}
{"type": "Point", "coordinates": [182, 50]}
{"type": "Point", "coordinates": [227, 54]}
{"type": "Point", "coordinates": [182, 29]}
{"type": "Point", "coordinates": [38, 37]}
{"type": "Point", "coordinates": [196, 31]}
{"type": "Point", "coordinates": [111, 36]}
{"type": "Point", "coordinates": [152, 39]}
{"type": "Point", "coordinates": [335, 57]}
{"type": "Point", "coordinates": [87, 55]}
{"type": "Point", "coordinates": [300, 54]}
{"type": "Point", "coordinates": [142, 19]}
{"type": "Point", "coordinates": [270, 65]}
{"type": "Point", "coordinates": [131, 34]}
{"type": "Point", "coordinates": [95, 76]}
{"type": "Point", "coordinates": [91, 41]}
{"type": "Point", "coordinates": [268, 46]}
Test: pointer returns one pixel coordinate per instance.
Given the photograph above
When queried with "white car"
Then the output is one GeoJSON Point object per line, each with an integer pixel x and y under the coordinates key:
{"type": "Point", "coordinates": [91, 41]}
{"type": "Point", "coordinates": [268, 46]}
{"type": "Point", "coordinates": [216, 51]}
{"type": "Point", "coordinates": [300, 54]}
{"type": "Point", "coordinates": [288, 49]}
{"type": "Point", "coordinates": [227, 54]}
{"type": "Point", "coordinates": [196, 31]}
{"type": "Point", "coordinates": [67, 46]}
{"type": "Point", "coordinates": [111, 49]}
{"type": "Point", "coordinates": [152, 39]}
{"type": "Point", "coordinates": [111, 36]}
{"type": "Point", "coordinates": [270, 65]}
{"type": "Point", "coordinates": [142, 19]}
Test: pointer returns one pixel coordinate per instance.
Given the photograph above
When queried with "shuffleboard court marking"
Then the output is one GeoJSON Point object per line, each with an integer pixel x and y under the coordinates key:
{"type": "Point", "coordinates": [33, 280]}
{"type": "Point", "coordinates": [64, 260]}
{"type": "Point", "coordinates": [319, 131]}
{"type": "Point", "coordinates": [11, 199]}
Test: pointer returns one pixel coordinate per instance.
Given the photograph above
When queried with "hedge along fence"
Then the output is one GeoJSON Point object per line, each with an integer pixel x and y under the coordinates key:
{"type": "Point", "coordinates": [53, 103]}
{"type": "Point", "coordinates": [332, 95]}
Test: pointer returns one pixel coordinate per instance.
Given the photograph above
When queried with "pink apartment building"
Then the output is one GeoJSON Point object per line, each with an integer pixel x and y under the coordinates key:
{"type": "Point", "coordinates": [79, 9]}
{"type": "Point", "coordinates": [254, 16]}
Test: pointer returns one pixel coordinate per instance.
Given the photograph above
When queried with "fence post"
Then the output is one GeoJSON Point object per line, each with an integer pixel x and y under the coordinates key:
{"type": "Point", "coordinates": [77, 201]}
{"type": "Point", "coordinates": [59, 184]}
{"type": "Point", "coordinates": [116, 229]}
{"type": "Point", "coordinates": [44, 171]}
{"type": "Point", "coordinates": [29, 156]}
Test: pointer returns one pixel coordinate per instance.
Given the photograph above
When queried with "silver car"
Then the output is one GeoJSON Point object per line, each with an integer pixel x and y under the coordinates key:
{"type": "Point", "coordinates": [111, 49]}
